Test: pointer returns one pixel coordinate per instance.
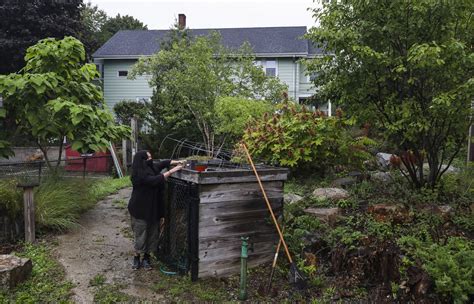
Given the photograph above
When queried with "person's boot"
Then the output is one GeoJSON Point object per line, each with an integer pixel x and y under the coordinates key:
{"type": "Point", "coordinates": [146, 263]}
{"type": "Point", "coordinates": [136, 262]}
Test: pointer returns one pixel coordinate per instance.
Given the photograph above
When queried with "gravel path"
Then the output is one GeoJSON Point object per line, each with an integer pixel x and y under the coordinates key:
{"type": "Point", "coordinates": [102, 245]}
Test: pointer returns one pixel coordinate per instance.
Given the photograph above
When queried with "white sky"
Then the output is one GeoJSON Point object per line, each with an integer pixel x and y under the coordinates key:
{"type": "Point", "coordinates": [160, 14]}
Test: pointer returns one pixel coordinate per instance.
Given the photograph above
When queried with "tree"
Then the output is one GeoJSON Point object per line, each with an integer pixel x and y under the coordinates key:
{"type": "Point", "coordinates": [54, 97]}
{"type": "Point", "coordinates": [190, 76]}
{"type": "Point", "coordinates": [407, 66]}
{"type": "Point", "coordinates": [93, 19]}
{"type": "Point", "coordinates": [117, 23]}
{"type": "Point", "coordinates": [23, 23]}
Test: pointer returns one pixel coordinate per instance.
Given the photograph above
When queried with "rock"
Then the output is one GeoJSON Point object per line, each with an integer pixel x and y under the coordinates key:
{"type": "Point", "coordinates": [386, 212]}
{"type": "Point", "coordinates": [383, 177]}
{"type": "Point", "coordinates": [330, 193]}
{"type": "Point", "coordinates": [344, 182]}
{"type": "Point", "coordinates": [383, 160]}
{"type": "Point", "coordinates": [328, 215]}
{"type": "Point", "coordinates": [451, 168]}
{"type": "Point", "coordinates": [291, 198]}
{"type": "Point", "coordinates": [445, 211]}
{"type": "Point", "coordinates": [13, 270]}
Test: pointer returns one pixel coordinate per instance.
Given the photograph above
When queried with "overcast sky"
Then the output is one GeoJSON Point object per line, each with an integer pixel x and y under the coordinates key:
{"type": "Point", "coordinates": [160, 14]}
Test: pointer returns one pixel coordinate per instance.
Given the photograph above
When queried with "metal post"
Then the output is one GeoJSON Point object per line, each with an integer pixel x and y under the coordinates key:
{"type": "Point", "coordinates": [243, 269]}
{"type": "Point", "coordinates": [84, 162]}
{"type": "Point", "coordinates": [29, 214]}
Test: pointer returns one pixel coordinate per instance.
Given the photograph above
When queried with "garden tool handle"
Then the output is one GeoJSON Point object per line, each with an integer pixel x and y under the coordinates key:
{"type": "Point", "coordinates": [268, 204]}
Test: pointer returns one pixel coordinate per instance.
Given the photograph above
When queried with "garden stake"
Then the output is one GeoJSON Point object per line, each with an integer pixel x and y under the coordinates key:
{"type": "Point", "coordinates": [243, 269]}
{"type": "Point", "coordinates": [274, 265]}
{"type": "Point", "coordinates": [296, 277]}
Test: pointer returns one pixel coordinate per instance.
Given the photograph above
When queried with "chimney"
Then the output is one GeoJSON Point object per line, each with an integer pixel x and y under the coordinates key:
{"type": "Point", "coordinates": [182, 21]}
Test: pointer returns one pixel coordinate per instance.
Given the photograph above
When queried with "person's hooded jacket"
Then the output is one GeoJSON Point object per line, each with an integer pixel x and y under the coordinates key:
{"type": "Point", "coordinates": [147, 180]}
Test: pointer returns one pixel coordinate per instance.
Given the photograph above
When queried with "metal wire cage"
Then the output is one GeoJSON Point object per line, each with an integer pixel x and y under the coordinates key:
{"type": "Point", "coordinates": [179, 243]}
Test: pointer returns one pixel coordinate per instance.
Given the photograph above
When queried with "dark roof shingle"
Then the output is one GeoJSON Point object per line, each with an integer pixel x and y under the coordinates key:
{"type": "Point", "coordinates": [264, 40]}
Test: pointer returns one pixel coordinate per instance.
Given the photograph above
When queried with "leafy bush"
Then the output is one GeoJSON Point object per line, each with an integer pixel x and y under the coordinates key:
{"type": "Point", "coordinates": [233, 114]}
{"type": "Point", "coordinates": [10, 198]}
{"type": "Point", "coordinates": [299, 138]}
{"type": "Point", "coordinates": [125, 110]}
{"type": "Point", "coordinates": [450, 265]}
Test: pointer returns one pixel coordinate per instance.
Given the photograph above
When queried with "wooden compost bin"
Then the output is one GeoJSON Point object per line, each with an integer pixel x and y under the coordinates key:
{"type": "Point", "coordinates": [231, 206]}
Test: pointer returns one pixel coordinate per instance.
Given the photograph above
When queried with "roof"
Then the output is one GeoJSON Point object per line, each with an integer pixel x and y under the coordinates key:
{"type": "Point", "coordinates": [265, 41]}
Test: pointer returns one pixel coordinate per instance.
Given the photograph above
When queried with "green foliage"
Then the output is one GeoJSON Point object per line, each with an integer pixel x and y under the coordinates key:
{"type": "Point", "coordinates": [97, 280]}
{"type": "Point", "coordinates": [405, 67]}
{"type": "Point", "coordinates": [111, 293]}
{"type": "Point", "coordinates": [449, 264]}
{"type": "Point", "coordinates": [10, 198]}
{"type": "Point", "coordinates": [54, 97]}
{"type": "Point", "coordinates": [234, 113]}
{"type": "Point", "coordinates": [46, 284]}
{"type": "Point", "coordinates": [23, 23]}
{"type": "Point", "coordinates": [190, 75]}
{"type": "Point", "coordinates": [97, 27]}
{"type": "Point", "coordinates": [59, 203]}
{"type": "Point", "coordinates": [125, 110]}
{"type": "Point", "coordinates": [299, 138]}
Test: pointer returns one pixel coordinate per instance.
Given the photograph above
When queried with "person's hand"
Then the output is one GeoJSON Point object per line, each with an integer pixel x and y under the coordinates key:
{"type": "Point", "coordinates": [177, 168]}
{"type": "Point", "coordinates": [178, 162]}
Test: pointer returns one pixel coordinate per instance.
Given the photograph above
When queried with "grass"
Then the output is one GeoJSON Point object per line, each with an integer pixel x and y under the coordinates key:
{"type": "Point", "coordinates": [59, 203]}
{"type": "Point", "coordinates": [47, 283]}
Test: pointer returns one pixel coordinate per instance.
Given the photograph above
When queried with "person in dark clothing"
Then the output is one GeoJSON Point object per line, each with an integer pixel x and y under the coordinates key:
{"type": "Point", "coordinates": [145, 204]}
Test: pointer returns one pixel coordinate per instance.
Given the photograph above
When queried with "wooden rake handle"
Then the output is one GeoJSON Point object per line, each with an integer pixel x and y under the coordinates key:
{"type": "Point", "coordinates": [268, 204]}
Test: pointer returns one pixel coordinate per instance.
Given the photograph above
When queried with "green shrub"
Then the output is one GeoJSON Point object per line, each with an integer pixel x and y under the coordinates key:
{"type": "Point", "coordinates": [450, 265]}
{"type": "Point", "coordinates": [10, 198]}
{"type": "Point", "coordinates": [233, 114]}
{"type": "Point", "coordinates": [299, 138]}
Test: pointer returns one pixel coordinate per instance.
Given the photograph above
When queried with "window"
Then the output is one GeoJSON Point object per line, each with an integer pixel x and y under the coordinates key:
{"type": "Point", "coordinates": [270, 68]}
{"type": "Point", "coordinates": [122, 73]}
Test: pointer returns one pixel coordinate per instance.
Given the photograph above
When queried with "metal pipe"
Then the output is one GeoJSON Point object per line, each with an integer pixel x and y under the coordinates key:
{"type": "Point", "coordinates": [243, 269]}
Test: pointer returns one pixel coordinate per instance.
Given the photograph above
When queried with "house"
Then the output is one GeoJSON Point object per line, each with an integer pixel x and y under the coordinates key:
{"type": "Point", "coordinates": [277, 49]}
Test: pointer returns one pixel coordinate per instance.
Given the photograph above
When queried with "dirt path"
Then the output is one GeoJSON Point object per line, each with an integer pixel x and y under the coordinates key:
{"type": "Point", "coordinates": [102, 246]}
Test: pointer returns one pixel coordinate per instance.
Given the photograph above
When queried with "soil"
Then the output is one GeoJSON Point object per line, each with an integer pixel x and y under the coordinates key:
{"type": "Point", "coordinates": [102, 245]}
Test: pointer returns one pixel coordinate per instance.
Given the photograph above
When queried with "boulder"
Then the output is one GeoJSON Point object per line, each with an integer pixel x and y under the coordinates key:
{"type": "Point", "coordinates": [451, 169]}
{"type": "Point", "coordinates": [344, 182]}
{"type": "Point", "coordinates": [291, 198]}
{"type": "Point", "coordinates": [383, 160]}
{"type": "Point", "coordinates": [389, 213]}
{"type": "Point", "coordinates": [382, 177]}
{"type": "Point", "coordinates": [328, 215]}
{"type": "Point", "coordinates": [13, 270]}
{"type": "Point", "coordinates": [330, 193]}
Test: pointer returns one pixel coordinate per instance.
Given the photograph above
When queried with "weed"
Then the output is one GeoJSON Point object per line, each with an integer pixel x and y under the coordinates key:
{"type": "Point", "coordinates": [120, 204]}
{"type": "Point", "coordinates": [97, 280]}
{"type": "Point", "coordinates": [110, 293]}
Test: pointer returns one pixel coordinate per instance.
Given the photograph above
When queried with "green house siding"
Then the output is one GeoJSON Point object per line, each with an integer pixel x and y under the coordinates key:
{"type": "Point", "coordinates": [286, 73]}
{"type": "Point", "coordinates": [117, 88]}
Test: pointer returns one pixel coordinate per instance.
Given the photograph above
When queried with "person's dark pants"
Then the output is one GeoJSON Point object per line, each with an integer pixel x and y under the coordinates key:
{"type": "Point", "coordinates": [145, 235]}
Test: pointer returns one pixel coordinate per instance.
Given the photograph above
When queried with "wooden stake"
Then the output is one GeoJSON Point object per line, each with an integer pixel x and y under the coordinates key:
{"type": "Point", "coordinates": [29, 214]}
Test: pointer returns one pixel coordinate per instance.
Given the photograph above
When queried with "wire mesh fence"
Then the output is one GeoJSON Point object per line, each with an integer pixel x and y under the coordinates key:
{"type": "Point", "coordinates": [179, 241]}
{"type": "Point", "coordinates": [35, 171]}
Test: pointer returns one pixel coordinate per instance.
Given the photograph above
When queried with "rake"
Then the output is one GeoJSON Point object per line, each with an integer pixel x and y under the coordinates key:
{"type": "Point", "coordinates": [296, 277]}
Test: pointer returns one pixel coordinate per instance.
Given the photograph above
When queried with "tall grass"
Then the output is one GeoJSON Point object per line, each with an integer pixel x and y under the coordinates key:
{"type": "Point", "coordinates": [10, 198]}
{"type": "Point", "coordinates": [60, 202]}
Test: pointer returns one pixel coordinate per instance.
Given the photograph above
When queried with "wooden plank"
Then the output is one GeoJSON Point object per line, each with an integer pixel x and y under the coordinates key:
{"type": "Point", "coordinates": [221, 268]}
{"type": "Point", "coordinates": [216, 218]}
{"type": "Point", "coordinates": [238, 228]}
{"type": "Point", "coordinates": [239, 191]}
{"type": "Point", "coordinates": [232, 249]}
{"type": "Point", "coordinates": [229, 207]}
{"type": "Point", "coordinates": [254, 237]}
{"type": "Point", "coordinates": [225, 175]}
